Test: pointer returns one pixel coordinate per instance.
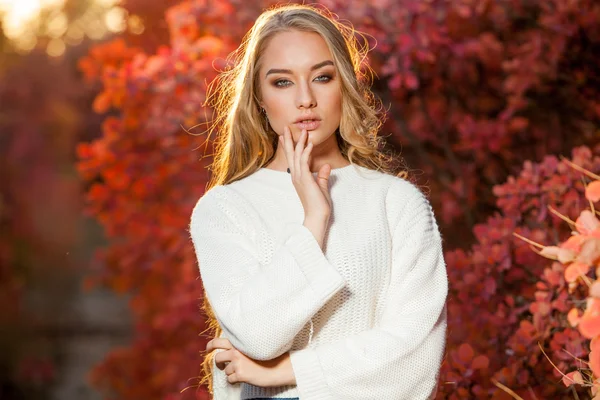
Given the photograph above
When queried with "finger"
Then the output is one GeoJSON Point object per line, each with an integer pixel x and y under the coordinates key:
{"type": "Point", "coordinates": [222, 358]}
{"type": "Point", "coordinates": [323, 176]}
{"type": "Point", "coordinates": [219, 343]}
{"type": "Point", "coordinates": [232, 378]}
{"type": "Point", "coordinates": [305, 161]}
{"type": "Point", "coordinates": [299, 149]}
{"type": "Point", "coordinates": [230, 369]}
{"type": "Point", "coordinates": [288, 146]}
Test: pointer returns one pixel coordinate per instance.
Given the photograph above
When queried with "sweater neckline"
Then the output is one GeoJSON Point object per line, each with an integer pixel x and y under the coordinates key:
{"type": "Point", "coordinates": [338, 172]}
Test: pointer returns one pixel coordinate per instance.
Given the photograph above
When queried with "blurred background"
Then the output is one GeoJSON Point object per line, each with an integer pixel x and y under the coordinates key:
{"type": "Point", "coordinates": [492, 103]}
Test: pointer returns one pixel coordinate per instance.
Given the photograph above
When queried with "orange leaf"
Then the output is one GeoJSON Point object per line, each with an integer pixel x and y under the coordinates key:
{"type": "Point", "coordinates": [575, 270]}
{"type": "Point", "coordinates": [590, 251]}
{"type": "Point", "coordinates": [587, 222]}
{"type": "Point", "coordinates": [595, 344]}
{"type": "Point", "coordinates": [573, 317]}
{"type": "Point", "coordinates": [573, 243]}
{"type": "Point", "coordinates": [592, 192]}
{"type": "Point", "coordinates": [589, 324]}
{"type": "Point", "coordinates": [102, 102]}
{"type": "Point", "coordinates": [595, 289]}
{"type": "Point", "coordinates": [595, 362]}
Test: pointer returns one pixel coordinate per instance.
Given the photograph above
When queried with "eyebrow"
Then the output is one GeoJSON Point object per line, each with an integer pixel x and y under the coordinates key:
{"type": "Point", "coordinates": [287, 71]}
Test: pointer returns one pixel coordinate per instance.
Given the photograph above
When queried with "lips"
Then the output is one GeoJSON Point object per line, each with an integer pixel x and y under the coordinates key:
{"type": "Point", "coordinates": [308, 124]}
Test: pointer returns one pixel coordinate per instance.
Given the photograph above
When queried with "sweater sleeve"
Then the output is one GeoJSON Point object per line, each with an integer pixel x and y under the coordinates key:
{"type": "Point", "coordinates": [260, 306]}
{"type": "Point", "coordinates": [400, 357]}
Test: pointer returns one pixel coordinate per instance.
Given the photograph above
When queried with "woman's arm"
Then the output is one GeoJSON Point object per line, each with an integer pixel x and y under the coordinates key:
{"type": "Point", "coordinates": [261, 307]}
{"type": "Point", "coordinates": [240, 368]}
{"type": "Point", "coordinates": [400, 357]}
{"type": "Point", "coordinates": [285, 371]}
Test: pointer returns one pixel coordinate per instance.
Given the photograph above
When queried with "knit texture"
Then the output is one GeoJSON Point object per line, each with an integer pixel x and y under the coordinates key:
{"type": "Point", "coordinates": [374, 296]}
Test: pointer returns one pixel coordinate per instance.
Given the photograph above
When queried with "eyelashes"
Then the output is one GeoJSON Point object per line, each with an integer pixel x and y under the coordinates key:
{"type": "Point", "coordinates": [282, 83]}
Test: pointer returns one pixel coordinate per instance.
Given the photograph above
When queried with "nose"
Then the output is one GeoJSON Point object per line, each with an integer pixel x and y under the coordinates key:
{"type": "Point", "coordinates": [305, 96]}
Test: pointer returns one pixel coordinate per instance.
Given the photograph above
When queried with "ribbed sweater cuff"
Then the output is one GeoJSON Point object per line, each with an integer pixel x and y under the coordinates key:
{"type": "Point", "coordinates": [322, 276]}
{"type": "Point", "coordinates": [310, 380]}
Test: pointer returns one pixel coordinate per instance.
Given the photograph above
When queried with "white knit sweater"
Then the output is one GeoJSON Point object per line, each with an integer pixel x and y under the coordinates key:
{"type": "Point", "coordinates": [374, 296]}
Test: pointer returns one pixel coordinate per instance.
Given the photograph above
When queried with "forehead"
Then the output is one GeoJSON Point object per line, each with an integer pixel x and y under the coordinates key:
{"type": "Point", "coordinates": [295, 50]}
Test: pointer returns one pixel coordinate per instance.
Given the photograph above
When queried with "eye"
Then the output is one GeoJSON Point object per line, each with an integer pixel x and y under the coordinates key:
{"type": "Point", "coordinates": [327, 78]}
{"type": "Point", "coordinates": [279, 82]}
{"type": "Point", "coordinates": [285, 82]}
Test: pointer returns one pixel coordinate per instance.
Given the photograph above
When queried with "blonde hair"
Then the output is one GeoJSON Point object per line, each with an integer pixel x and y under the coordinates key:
{"type": "Point", "coordinates": [245, 142]}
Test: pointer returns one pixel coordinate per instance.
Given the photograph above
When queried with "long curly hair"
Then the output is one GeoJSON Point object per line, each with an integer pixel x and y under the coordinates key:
{"type": "Point", "coordinates": [245, 142]}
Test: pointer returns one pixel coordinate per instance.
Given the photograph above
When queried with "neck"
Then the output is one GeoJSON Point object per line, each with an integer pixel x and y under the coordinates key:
{"type": "Point", "coordinates": [327, 152]}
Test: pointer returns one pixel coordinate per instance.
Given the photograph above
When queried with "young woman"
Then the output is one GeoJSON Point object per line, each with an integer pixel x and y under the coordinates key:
{"type": "Point", "coordinates": [323, 270]}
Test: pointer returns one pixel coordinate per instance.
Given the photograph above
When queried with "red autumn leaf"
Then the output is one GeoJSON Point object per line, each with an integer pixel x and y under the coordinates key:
{"type": "Point", "coordinates": [465, 353]}
{"type": "Point", "coordinates": [518, 124]}
{"type": "Point", "coordinates": [573, 377]}
{"type": "Point", "coordinates": [480, 362]}
{"type": "Point", "coordinates": [411, 81]}
{"type": "Point", "coordinates": [553, 277]}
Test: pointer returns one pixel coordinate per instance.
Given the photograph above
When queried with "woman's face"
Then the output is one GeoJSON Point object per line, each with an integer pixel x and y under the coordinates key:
{"type": "Point", "coordinates": [298, 81]}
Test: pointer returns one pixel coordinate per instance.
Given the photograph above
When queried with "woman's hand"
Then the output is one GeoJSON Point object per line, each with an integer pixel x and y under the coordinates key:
{"type": "Point", "coordinates": [314, 195]}
{"type": "Point", "coordinates": [240, 368]}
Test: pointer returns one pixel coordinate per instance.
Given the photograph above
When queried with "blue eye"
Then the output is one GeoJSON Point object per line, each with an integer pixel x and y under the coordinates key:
{"type": "Point", "coordinates": [327, 77]}
{"type": "Point", "coordinates": [280, 82]}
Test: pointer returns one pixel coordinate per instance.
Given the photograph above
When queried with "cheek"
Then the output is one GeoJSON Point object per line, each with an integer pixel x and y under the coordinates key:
{"type": "Point", "coordinates": [278, 105]}
{"type": "Point", "coordinates": [332, 96]}
{"type": "Point", "coordinates": [334, 104]}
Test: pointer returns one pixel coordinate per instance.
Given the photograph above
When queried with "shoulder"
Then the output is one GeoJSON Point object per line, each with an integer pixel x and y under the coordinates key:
{"type": "Point", "coordinates": [405, 200]}
{"type": "Point", "coordinates": [395, 188]}
{"type": "Point", "coordinates": [221, 206]}
{"type": "Point", "coordinates": [211, 199]}
{"type": "Point", "coordinates": [220, 197]}
{"type": "Point", "coordinates": [216, 204]}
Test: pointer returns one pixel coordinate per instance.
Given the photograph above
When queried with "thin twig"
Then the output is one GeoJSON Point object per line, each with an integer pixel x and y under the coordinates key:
{"type": "Point", "coordinates": [559, 215]}
{"type": "Point", "coordinates": [575, 357]}
{"type": "Point", "coordinates": [580, 169]}
{"type": "Point", "coordinates": [532, 393]}
{"type": "Point", "coordinates": [531, 242]}
{"type": "Point", "coordinates": [506, 389]}
{"type": "Point", "coordinates": [585, 188]}
{"type": "Point", "coordinates": [559, 371]}
{"type": "Point", "coordinates": [574, 392]}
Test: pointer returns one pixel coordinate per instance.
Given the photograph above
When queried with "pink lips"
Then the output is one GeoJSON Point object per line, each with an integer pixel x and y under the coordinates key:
{"type": "Point", "coordinates": [309, 126]}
